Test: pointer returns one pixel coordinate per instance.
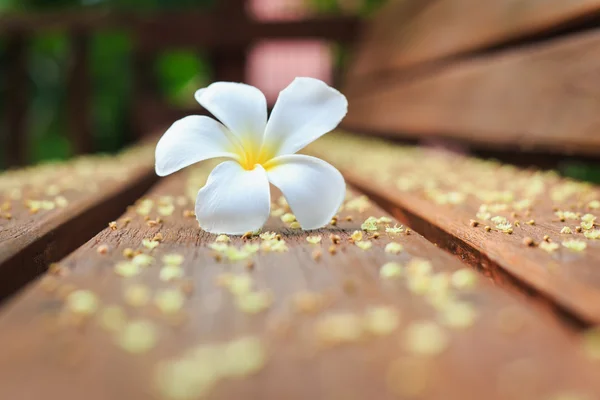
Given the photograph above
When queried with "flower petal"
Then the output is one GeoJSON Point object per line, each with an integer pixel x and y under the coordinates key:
{"type": "Point", "coordinates": [241, 108]}
{"type": "Point", "coordinates": [234, 200]}
{"type": "Point", "coordinates": [190, 140]}
{"type": "Point", "coordinates": [305, 110]}
{"type": "Point", "coordinates": [313, 188]}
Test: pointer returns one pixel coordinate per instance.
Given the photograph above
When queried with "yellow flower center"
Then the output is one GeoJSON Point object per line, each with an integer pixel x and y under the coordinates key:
{"type": "Point", "coordinates": [252, 154]}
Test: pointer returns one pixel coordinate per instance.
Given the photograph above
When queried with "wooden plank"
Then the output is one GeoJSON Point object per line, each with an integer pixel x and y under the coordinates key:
{"type": "Point", "coordinates": [406, 33]}
{"type": "Point", "coordinates": [308, 341]}
{"type": "Point", "coordinates": [47, 211]}
{"type": "Point", "coordinates": [540, 98]}
{"type": "Point", "coordinates": [200, 30]}
{"type": "Point", "coordinates": [441, 194]}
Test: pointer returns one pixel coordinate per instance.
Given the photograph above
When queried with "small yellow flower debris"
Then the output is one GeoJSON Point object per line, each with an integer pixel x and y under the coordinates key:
{"type": "Point", "coordinates": [528, 241]}
{"type": "Point", "coordinates": [295, 225]}
{"type": "Point", "coordinates": [419, 266]}
{"type": "Point", "coordinates": [220, 247]}
{"type": "Point", "coordinates": [425, 338]}
{"type": "Point", "coordinates": [268, 235]}
{"type": "Point", "coordinates": [166, 210]}
{"type": "Point", "coordinates": [128, 253]}
{"type": "Point", "coordinates": [169, 301]}
{"type": "Point", "coordinates": [464, 278]}
{"type": "Point", "coordinates": [239, 284]}
{"type": "Point", "coordinates": [112, 318]}
{"type": "Point", "coordinates": [335, 239]}
{"type": "Point", "coordinates": [458, 315]}
{"type": "Point", "coordinates": [381, 320]}
{"type": "Point", "coordinates": [243, 357]}
{"type": "Point", "coordinates": [339, 328]}
{"type": "Point", "coordinates": [222, 239]}
{"type": "Point", "coordinates": [390, 270]}
{"type": "Point", "coordinates": [394, 248]}
{"type": "Point", "coordinates": [384, 220]}
{"type": "Point", "coordinates": [143, 260]}
{"type": "Point", "coordinates": [357, 236]}
{"type": "Point", "coordinates": [574, 244]}
{"type": "Point", "coordinates": [150, 244]}
{"type": "Point", "coordinates": [370, 224]}
{"type": "Point", "coordinates": [588, 218]}
{"type": "Point", "coordinates": [364, 245]}
{"type": "Point", "coordinates": [82, 302]}
{"type": "Point", "coordinates": [172, 259]}
{"type": "Point", "coordinates": [359, 204]}
{"type": "Point", "coordinates": [145, 207]}
{"type": "Point", "coordinates": [112, 225]}
{"type": "Point", "coordinates": [594, 204]}
{"type": "Point", "coordinates": [288, 217]}
{"type": "Point", "coordinates": [61, 201]}
{"type": "Point", "coordinates": [593, 234]}
{"type": "Point", "coordinates": [127, 269]}
{"type": "Point", "coordinates": [138, 336]}
{"type": "Point", "coordinates": [137, 295]}
{"type": "Point", "coordinates": [530, 222]}
{"type": "Point", "coordinates": [102, 249]}
{"type": "Point", "coordinates": [316, 255]}
{"type": "Point", "coordinates": [396, 229]}
{"type": "Point", "coordinates": [185, 379]}
{"type": "Point", "coordinates": [314, 239]}
{"type": "Point", "coordinates": [308, 302]}
{"type": "Point", "coordinates": [277, 212]}
{"type": "Point", "coordinates": [566, 230]}
{"type": "Point", "coordinates": [590, 341]}
{"type": "Point", "coordinates": [548, 246]}
{"type": "Point", "coordinates": [253, 302]}
{"type": "Point", "coordinates": [171, 272]}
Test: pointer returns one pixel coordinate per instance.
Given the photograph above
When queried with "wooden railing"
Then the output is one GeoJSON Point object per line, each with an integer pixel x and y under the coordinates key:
{"type": "Point", "coordinates": [225, 33]}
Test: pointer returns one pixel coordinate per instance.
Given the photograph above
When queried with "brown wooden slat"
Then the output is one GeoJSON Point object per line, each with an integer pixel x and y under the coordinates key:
{"type": "Point", "coordinates": [197, 30]}
{"type": "Point", "coordinates": [411, 32]}
{"type": "Point", "coordinates": [540, 98]}
{"type": "Point", "coordinates": [81, 197]}
{"type": "Point", "coordinates": [510, 351]}
{"type": "Point", "coordinates": [440, 194]}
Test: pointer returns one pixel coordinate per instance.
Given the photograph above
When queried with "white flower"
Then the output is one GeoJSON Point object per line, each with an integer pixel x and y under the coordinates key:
{"type": "Point", "coordinates": [236, 197]}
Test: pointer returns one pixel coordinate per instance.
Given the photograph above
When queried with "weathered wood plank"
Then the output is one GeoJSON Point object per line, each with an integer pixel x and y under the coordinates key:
{"type": "Point", "coordinates": [443, 195]}
{"type": "Point", "coordinates": [406, 33]}
{"type": "Point", "coordinates": [309, 341]}
{"type": "Point", "coordinates": [49, 210]}
{"type": "Point", "coordinates": [541, 98]}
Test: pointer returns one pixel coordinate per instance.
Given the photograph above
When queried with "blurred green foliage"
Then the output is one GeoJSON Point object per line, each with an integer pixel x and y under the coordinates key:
{"type": "Point", "coordinates": [179, 73]}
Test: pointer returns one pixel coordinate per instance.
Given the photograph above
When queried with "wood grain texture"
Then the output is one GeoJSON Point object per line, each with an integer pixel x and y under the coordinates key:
{"type": "Point", "coordinates": [47, 211]}
{"type": "Point", "coordinates": [443, 193]}
{"type": "Point", "coordinates": [539, 98]}
{"type": "Point", "coordinates": [510, 350]}
{"type": "Point", "coordinates": [406, 33]}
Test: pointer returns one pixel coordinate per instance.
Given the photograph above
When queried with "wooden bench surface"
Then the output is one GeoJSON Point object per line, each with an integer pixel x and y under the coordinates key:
{"type": "Point", "coordinates": [454, 69]}
{"type": "Point", "coordinates": [540, 98]}
{"type": "Point", "coordinates": [288, 319]}
{"type": "Point", "coordinates": [406, 34]}
{"type": "Point", "coordinates": [47, 211]}
{"type": "Point", "coordinates": [443, 195]}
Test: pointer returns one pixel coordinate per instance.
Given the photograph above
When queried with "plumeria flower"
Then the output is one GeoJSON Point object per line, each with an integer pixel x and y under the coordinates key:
{"type": "Point", "coordinates": [236, 198]}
